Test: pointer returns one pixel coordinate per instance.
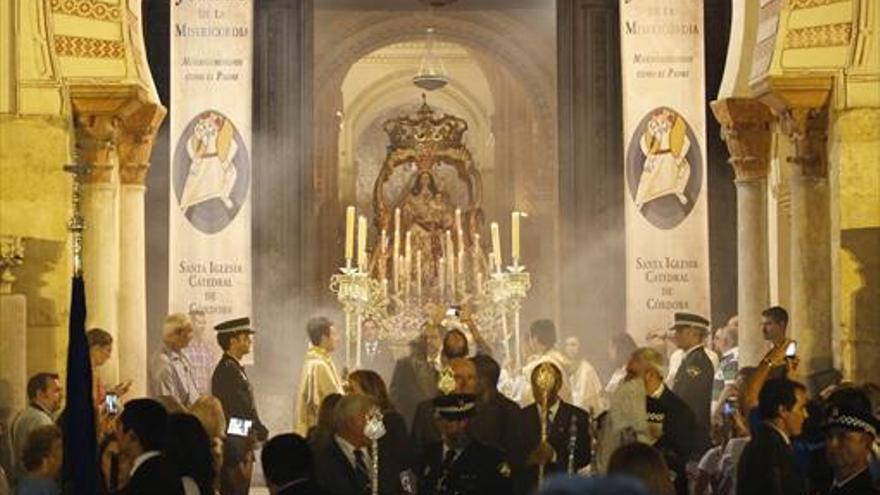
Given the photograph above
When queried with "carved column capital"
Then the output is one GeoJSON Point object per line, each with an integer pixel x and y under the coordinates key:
{"type": "Point", "coordinates": [142, 121]}
{"type": "Point", "coordinates": [746, 129]}
{"type": "Point", "coordinates": [11, 256]}
{"type": "Point", "coordinates": [96, 142]}
{"type": "Point", "coordinates": [807, 127]}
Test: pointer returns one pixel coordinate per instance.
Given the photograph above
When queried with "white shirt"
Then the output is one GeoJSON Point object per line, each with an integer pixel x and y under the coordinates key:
{"type": "Point", "coordinates": [552, 412]}
{"type": "Point", "coordinates": [348, 450]}
{"type": "Point", "coordinates": [146, 456]}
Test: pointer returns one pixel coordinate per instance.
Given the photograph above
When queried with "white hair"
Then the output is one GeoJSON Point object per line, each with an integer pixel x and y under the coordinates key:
{"type": "Point", "coordinates": [653, 359]}
{"type": "Point", "coordinates": [349, 406]}
{"type": "Point", "coordinates": [173, 323]}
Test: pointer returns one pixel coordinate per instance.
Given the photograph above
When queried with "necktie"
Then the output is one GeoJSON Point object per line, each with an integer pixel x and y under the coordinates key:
{"type": "Point", "coordinates": [448, 460]}
{"type": "Point", "coordinates": [360, 467]}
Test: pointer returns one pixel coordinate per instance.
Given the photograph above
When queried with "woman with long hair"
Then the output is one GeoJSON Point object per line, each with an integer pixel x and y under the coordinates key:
{"type": "Point", "coordinates": [396, 440]}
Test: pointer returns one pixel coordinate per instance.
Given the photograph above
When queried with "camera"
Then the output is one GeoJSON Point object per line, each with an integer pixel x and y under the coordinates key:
{"type": "Point", "coordinates": [111, 403]}
{"type": "Point", "coordinates": [239, 426]}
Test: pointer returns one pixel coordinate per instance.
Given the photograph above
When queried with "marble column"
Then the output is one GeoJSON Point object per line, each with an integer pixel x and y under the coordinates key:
{"type": "Point", "coordinates": [132, 339]}
{"type": "Point", "coordinates": [810, 315]}
{"type": "Point", "coordinates": [746, 129]}
{"type": "Point", "coordinates": [96, 139]}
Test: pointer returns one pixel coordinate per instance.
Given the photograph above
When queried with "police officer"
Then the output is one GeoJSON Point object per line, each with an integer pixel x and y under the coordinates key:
{"type": "Point", "coordinates": [693, 380]}
{"type": "Point", "coordinates": [230, 383]}
{"type": "Point", "coordinates": [460, 465]}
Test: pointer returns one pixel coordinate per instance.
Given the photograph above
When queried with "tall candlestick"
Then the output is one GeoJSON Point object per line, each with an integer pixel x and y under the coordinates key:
{"type": "Point", "coordinates": [349, 234]}
{"type": "Point", "coordinates": [496, 246]}
{"type": "Point", "coordinates": [362, 243]}
{"type": "Point", "coordinates": [458, 228]}
{"type": "Point", "coordinates": [395, 268]}
{"type": "Point", "coordinates": [514, 237]}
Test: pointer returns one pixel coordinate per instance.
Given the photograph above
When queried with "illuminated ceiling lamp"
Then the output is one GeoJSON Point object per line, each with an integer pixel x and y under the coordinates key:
{"type": "Point", "coordinates": [432, 74]}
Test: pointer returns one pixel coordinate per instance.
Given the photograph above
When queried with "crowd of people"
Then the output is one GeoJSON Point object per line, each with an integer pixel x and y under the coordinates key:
{"type": "Point", "coordinates": [453, 420]}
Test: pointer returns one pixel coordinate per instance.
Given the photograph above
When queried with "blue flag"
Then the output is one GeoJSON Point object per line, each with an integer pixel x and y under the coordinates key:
{"type": "Point", "coordinates": [80, 473]}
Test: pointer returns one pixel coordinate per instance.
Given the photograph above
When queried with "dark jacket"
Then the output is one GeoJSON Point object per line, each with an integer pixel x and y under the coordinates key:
{"type": "Point", "coordinates": [230, 384]}
{"type": "Point", "coordinates": [767, 466]}
{"type": "Point", "coordinates": [381, 360]}
{"type": "Point", "coordinates": [682, 439]}
{"type": "Point", "coordinates": [693, 383]}
{"type": "Point", "coordinates": [152, 477]}
{"type": "Point", "coordinates": [497, 424]}
{"type": "Point", "coordinates": [335, 474]}
{"type": "Point", "coordinates": [412, 381]}
{"type": "Point", "coordinates": [558, 435]}
{"type": "Point", "coordinates": [860, 485]}
{"type": "Point", "coordinates": [477, 470]}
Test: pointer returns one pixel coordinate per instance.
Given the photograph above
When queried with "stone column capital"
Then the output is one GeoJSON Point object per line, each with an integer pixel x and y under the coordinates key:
{"type": "Point", "coordinates": [746, 128]}
{"type": "Point", "coordinates": [807, 127]}
{"type": "Point", "coordinates": [142, 121]}
{"type": "Point", "coordinates": [96, 140]}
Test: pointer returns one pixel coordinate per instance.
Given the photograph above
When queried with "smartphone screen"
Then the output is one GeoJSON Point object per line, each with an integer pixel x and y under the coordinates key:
{"type": "Point", "coordinates": [239, 426]}
{"type": "Point", "coordinates": [791, 350]}
{"type": "Point", "coordinates": [111, 402]}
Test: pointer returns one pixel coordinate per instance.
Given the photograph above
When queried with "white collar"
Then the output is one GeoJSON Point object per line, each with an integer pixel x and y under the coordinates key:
{"type": "Point", "coordinates": [142, 459]}
{"type": "Point", "coordinates": [838, 484]}
{"type": "Point", "coordinates": [657, 393]}
{"type": "Point", "coordinates": [553, 409]}
{"type": "Point", "coordinates": [349, 449]}
{"type": "Point", "coordinates": [733, 351]}
{"type": "Point", "coordinates": [779, 430]}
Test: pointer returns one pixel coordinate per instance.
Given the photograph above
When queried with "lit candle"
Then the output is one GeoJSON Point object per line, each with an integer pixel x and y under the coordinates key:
{"type": "Point", "coordinates": [514, 237]}
{"type": "Point", "coordinates": [349, 234]}
{"type": "Point", "coordinates": [441, 275]}
{"type": "Point", "coordinates": [419, 273]}
{"type": "Point", "coordinates": [362, 243]}
{"type": "Point", "coordinates": [479, 288]}
{"type": "Point", "coordinates": [496, 246]}
{"type": "Point", "coordinates": [458, 228]}
{"type": "Point", "coordinates": [395, 268]}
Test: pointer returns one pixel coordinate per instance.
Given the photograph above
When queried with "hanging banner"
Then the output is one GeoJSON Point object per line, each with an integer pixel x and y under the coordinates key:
{"type": "Point", "coordinates": [667, 242]}
{"type": "Point", "coordinates": [211, 170]}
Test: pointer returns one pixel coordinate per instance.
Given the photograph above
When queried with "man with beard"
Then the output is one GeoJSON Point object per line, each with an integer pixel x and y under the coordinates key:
{"type": "Point", "coordinates": [458, 464]}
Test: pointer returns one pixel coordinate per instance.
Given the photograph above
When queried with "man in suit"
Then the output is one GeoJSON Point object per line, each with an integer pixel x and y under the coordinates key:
{"type": "Point", "coordinates": [850, 432]}
{"type": "Point", "coordinates": [415, 377]}
{"type": "Point", "coordinates": [288, 466]}
{"type": "Point", "coordinates": [230, 383]}
{"type": "Point", "coordinates": [342, 467]}
{"type": "Point", "coordinates": [45, 396]}
{"type": "Point", "coordinates": [567, 443]}
{"type": "Point", "coordinates": [672, 426]}
{"type": "Point", "coordinates": [424, 427]}
{"type": "Point", "coordinates": [140, 431]}
{"type": "Point", "coordinates": [496, 422]}
{"type": "Point", "coordinates": [767, 464]}
{"type": "Point", "coordinates": [696, 374]}
{"type": "Point", "coordinates": [459, 464]}
{"type": "Point", "coordinates": [375, 354]}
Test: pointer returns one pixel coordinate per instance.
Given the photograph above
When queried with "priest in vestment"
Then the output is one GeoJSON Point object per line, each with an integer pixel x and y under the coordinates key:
{"type": "Point", "coordinates": [319, 377]}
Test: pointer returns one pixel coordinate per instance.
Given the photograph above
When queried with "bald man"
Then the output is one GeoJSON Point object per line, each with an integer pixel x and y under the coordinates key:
{"type": "Point", "coordinates": [424, 427]}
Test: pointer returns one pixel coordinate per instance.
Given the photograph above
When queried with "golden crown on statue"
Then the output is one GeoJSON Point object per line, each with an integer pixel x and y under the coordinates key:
{"type": "Point", "coordinates": [426, 131]}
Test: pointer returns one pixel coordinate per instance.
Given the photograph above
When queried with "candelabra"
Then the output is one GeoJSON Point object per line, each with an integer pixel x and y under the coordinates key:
{"type": "Point", "coordinates": [506, 291]}
{"type": "Point", "coordinates": [360, 296]}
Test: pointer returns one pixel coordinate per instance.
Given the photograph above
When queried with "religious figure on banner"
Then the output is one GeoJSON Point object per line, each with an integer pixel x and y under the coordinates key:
{"type": "Point", "coordinates": [428, 213]}
{"type": "Point", "coordinates": [212, 174]}
{"type": "Point", "coordinates": [666, 170]}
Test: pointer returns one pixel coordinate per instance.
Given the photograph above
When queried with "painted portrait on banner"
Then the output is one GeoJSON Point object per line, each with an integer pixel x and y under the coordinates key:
{"type": "Point", "coordinates": [211, 172]}
{"type": "Point", "coordinates": [664, 168]}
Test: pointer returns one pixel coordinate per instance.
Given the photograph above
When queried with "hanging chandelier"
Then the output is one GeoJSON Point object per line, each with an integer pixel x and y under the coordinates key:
{"type": "Point", "coordinates": [432, 73]}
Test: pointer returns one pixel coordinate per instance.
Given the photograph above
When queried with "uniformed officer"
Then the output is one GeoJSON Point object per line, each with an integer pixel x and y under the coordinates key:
{"type": "Point", "coordinates": [693, 380]}
{"type": "Point", "coordinates": [230, 383]}
{"type": "Point", "coordinates": [850, 432]}
{"type": "Point", "coordinates": [460, 465]}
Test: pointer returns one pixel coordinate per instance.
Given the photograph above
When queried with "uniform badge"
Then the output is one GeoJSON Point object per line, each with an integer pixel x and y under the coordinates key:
{"type": "Point", "coordinates": [504, 469]}
{"type": "Point", "coordinates": [693, 371]}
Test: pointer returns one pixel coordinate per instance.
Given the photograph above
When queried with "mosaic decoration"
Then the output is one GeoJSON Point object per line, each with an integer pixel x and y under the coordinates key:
{"type": "Point", "coordinates": [90, 9]}
{"type": "Point", "coordinates": [77, 46]}
{"type": "Point", "coordinates": [816, 36]}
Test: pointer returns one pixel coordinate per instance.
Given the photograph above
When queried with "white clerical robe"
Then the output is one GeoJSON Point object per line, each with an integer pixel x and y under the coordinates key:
{"type": "Point", "coordinates": [586, 389]}
{"type": "Point", "coordinates": [318, 380]}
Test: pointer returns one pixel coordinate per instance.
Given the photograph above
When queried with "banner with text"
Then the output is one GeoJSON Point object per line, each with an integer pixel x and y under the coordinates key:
{"type": "Point", "coordinates": [664, 130]}
{"type": "Point", "coordinates": [211, 169]}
